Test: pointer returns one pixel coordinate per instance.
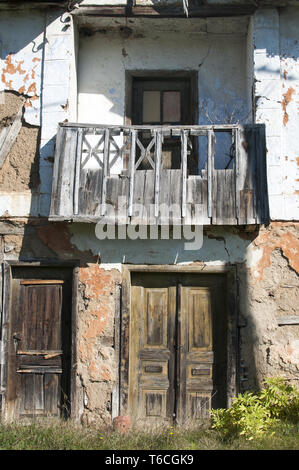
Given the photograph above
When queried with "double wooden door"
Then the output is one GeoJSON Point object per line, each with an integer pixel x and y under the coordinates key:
{"type": "Point", "coordinates": [39, 344]}
{"type": "Point", "coordinates": [177, 356]}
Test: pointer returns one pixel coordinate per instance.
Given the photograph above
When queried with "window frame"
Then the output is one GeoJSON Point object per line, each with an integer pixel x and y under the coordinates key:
{"type": "Point", "coordinates": [168, 76]}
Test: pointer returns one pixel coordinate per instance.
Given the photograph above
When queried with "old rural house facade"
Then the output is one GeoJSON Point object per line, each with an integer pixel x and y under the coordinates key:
{"type": "Point", "coordinates": [147, 115]}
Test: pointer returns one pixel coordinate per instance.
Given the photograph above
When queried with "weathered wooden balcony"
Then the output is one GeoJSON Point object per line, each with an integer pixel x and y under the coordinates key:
{"type": "Point", "coordinates": [120, 173]}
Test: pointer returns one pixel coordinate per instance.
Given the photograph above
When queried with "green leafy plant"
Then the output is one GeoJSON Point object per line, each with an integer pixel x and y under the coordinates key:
{"type": "Point", "coordinates": [255, 415]}
{"type": "Point", "coordinates": [281, 399]}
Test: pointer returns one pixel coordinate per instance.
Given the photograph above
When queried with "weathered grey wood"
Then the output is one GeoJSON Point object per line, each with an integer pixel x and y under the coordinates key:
{"type": "Point", "coordinates": [65, 183]}
{"type": "Point", "coordinates": [231, 199]}
{"type": "Point", "coordinates": [170, 197]}
{"type": "Point", "coordinates": [236, 167]}
{"type": "Point", "coordinates": [8, 136]}
{"type": "Point", "coordinates": [184, 143]}
{"type": "Point", "coordinates": [138, 197]}
{"type": "Point", "coordinates": [90, 192]}
{"type": "Point", "coordinates": [262, 207]}
{"type": "Point", "coordinates": [194, 11]}
{"type": "Point", "coordinates": [158, 152]}
{"type": "Point", "coordinates": [288, 320]}
{"type": "Point", "coordinates": [224, 197]}
{"type": "Point", "coordinates": [77, 170]}
{"type": "Point", "coordinates": [245, 176]}
{"type": "Point", "coordinates": [175, 130]}
{"type": "Point", "coordinates": [211, 152]}
{"type": "Point", "coordinates": [132, 170]}
{"type": "Point", "coordinates": [105, 170]}
{"type": "Point", "coordinates": [217, 196]}
{"type": "Point", "coordinates": [58, 154]}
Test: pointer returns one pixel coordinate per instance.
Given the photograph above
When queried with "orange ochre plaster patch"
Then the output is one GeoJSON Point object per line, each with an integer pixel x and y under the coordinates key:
{"type": "Point", "coordinates": [287, 241]}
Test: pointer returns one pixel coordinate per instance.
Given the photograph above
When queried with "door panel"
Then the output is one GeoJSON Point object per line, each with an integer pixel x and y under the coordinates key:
{"type": "Point", "coordinates": [151, 366]}
{"type": "Point", "coordinates": [39, 348]}
{"type": "Point", "coordinates": [177, 359]}
{"type": "Point", "coordinates": [196, 355]}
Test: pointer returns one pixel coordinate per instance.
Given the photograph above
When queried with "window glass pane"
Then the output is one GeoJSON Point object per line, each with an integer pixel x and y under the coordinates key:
{"type": "Point", "coordinates": [151, 107]}
{"type": "Point", "coordinates": [171, 106]}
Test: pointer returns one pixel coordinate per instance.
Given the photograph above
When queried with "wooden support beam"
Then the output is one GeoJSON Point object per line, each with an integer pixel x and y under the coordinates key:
{"type": "Point", "coordinates": [105, 170]}
{"type": "Point", "coordinates": [133, 139]}
{"type": "Point", "coordinates": [8, 136]}
{"type": "Point", "coordinates": [158, 153]}
{"type": "Point", "coordinates": [237, 159]}
{"type": "Point", "coordinates": [184, 143]}
{"type": "Point", "coordinates": [288, 320]}
{"type": "Point", "coordinates": [77, 170]}
{"type": "Point", "coordinates": [200, 11]}
{"type": "Point", "coordinates": [30, 282]}
{"type": "Point", "coordinates": [211, 153]}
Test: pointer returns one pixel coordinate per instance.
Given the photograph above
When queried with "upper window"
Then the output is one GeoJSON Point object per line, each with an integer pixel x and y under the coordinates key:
{"type": "Point", "coordinates": [161, 101]}
{"type": "Point", "coordinates": [164, 101]}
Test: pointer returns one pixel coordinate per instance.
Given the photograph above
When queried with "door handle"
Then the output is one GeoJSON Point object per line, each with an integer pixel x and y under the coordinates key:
{"type": "Point", "coordinates": [17, 337]}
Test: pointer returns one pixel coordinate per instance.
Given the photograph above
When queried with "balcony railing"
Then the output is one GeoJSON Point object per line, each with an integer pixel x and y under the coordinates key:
{"type": "Point", "coordinates": [119, 172]}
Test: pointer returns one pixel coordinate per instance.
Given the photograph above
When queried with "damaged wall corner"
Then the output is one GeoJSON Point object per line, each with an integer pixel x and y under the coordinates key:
{"type": "Point", "coordinates": [19, 146]}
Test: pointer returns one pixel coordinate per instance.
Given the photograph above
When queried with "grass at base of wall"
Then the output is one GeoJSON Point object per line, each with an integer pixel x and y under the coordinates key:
{"type": "Point", "coordinates": [60, 435]}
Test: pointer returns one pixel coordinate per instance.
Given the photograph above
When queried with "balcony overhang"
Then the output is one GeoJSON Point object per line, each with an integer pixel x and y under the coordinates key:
{"type": "Point", "coordinates": [86, 190]}
{"type": "Point", "coordinates": [164, 10]}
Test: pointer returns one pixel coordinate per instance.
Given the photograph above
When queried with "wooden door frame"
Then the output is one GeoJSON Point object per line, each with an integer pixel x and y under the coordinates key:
{"type": "Point", "coordinates": [6, 320]}
{"type": "Point", "coordinates": [124, 323]}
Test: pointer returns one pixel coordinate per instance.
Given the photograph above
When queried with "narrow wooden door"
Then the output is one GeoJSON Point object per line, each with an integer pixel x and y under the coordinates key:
{"type": "Point", "coordinates": [177, 365]}
{"type": "Point", "coordinates": [196, 356]}
{"type": "Point", "coordinates": [38, 356]}
{"type": "Point", "coordinates": [152, 343]}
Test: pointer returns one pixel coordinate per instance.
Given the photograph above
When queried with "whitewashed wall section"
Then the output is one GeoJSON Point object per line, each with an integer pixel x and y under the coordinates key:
{"type": "Point", "coordinates": [22, 38]}
{"type": "Point", "coordinates": [59, 95]}
{"type": "Point", "coordinates": [289, 68]}
{"type": "Point", "coordinates": [275, 65]}
{"type": "Point", "coordinates": [37, 61]}
{"type": "Point", "coordinates": [214, 48]}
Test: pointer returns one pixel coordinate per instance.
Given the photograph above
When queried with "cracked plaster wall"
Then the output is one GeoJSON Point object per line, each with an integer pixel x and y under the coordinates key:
{"type": "Point", "coordinates": [268, 287]}
{"type": "Point", "coordinates": [37, 64]}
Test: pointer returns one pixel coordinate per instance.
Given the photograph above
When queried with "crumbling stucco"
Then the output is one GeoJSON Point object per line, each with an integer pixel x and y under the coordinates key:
{"type": "Point", "coordinates": [277, 237]}
{"type": "Point", "coordinates": [98, 363]}
{"type": "Point", "coordinates": [266, 261]}
{"type": "Point", "coordinates": [9, 106]}
{"type": "Point", "coordinates": [268, 291]}
{"type": "Point", "coordinates": [20, 171]}
{"type": "Point", "coordinates": [21, 168]}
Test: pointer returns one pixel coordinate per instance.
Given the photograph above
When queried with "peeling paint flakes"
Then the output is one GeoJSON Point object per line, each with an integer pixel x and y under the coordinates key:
{"type": "Point", "coordinates": [287, 98]}
{"type": "Point", "coordinates": [16, 72]}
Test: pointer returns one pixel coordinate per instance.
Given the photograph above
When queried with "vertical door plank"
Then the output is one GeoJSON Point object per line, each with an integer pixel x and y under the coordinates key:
{"type": "Point", "coordinates": [36, 356]}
